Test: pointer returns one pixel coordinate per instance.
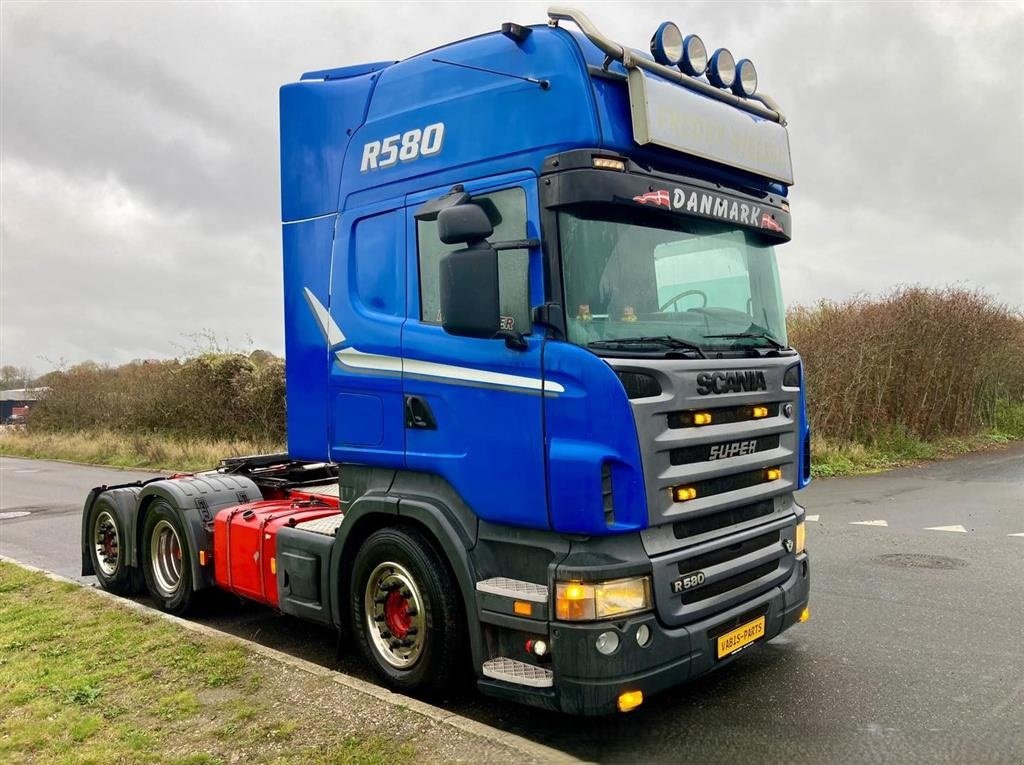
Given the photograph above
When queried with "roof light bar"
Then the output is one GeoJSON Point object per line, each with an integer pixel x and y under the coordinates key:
{"type": "Point", "coordinates": [765, 107]}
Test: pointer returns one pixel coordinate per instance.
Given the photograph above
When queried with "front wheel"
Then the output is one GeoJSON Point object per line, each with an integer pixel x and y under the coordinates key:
{"type": "Point", "coordinates": [406, 613]}
{"type": "Point", "coordinates": [166, 561]}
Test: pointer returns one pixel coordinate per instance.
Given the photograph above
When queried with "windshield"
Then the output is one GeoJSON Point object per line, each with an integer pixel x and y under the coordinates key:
{"type": "Point", "coordinates": [679, 278]}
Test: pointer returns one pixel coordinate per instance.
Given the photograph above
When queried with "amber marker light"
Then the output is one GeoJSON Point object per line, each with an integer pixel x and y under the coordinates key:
{"type": "Point", "coordinates": [759, 411]}
{"type": "Point", "coordinates": [805, 615]}
{"type": "Point", "coordinates": [773, 474]}
{"type": "Point", "coordinates": [801, 538]}
{"type": "Point", "coordinates": [683, 493]}
{"type": "Point", "coordinates": [702, 418]}
{"type": "Point", "coordinates": [607, 163]}
{"type": "Point", "coordinates": [522, 608]}
{"type": "Point", "coordinates": [630, 700]}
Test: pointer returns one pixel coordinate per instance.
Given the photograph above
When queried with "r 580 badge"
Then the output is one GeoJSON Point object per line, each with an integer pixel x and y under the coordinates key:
{"type": "Point", "coordinates": [688, 582]}
{"type": "Point", "coordinates": [402, 147]}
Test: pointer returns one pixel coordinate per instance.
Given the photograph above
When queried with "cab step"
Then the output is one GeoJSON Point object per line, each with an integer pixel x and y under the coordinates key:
{"type": "Point", "coordinates": [327, 526]}
{"type": "Point", "coordinates": [518, 672]}
{"type": "Point", "coordinates": [514, 588]}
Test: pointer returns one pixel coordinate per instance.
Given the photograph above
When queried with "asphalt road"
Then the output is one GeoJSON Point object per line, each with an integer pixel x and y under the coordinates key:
{"type": "Point", "coordinates": [915, 651]}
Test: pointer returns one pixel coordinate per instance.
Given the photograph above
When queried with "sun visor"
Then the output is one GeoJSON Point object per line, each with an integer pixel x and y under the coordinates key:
{"type": "Point", "coordinates": [673, 117]}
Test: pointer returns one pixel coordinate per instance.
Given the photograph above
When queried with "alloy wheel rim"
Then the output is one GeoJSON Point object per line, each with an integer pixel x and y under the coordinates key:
{"type": "Point", "coordinates": [166, 558]}
{"type": "Point", "coordinates": [106, 542]}
{"type": "Point", "coordinates": [393, 609]}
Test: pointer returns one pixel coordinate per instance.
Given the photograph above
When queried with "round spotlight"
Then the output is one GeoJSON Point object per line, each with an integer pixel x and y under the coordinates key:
{"type": "Point", "coordinates": [722, 68]}
{"type": "Point", "coordinates": [745, 83]}
{"type": "Point", "coordinates": [667, 44]}
{"type": "Point", "coordinates": [607, 642]}
{"type": "Point", "coordinates": [695, 56]}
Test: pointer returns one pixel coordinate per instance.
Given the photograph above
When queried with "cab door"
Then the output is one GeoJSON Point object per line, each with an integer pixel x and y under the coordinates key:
{"type": "Point", "coordinates": [474, 407]}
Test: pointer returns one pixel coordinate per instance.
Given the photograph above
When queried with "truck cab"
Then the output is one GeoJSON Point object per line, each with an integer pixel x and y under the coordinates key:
{"type": "Point", "coordinates": [534, 324]}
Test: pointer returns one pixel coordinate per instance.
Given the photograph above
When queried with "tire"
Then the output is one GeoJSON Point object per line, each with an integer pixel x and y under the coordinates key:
{"type": "Point", "coordinates": [108, 548]}
{"type": "Point", "coordinates": [166, 559]}
{"type": "Point", "coordinates": [406, 614]}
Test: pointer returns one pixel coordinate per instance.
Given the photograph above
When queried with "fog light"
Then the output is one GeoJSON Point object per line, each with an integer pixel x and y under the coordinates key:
{"type": "Point", "coordinates": [643, 636]}
{"type": "Point", "coordinates": [537, 647]}
{"type": "Point", "coordinates": [607, 643]}
{"type": "Point", "coordinates": [805, 615]}
{"type": "Point", "coordinates": [630, 700]}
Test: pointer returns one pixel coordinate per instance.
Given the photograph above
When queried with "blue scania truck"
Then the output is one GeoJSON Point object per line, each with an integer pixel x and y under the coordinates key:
{"type": "Point", "coordinates": [544, 424]}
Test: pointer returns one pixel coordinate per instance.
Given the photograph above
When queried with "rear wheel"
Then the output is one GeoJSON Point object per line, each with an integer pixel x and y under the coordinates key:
{"type": "Point", "coordinates": [406, 613]}
{"type": "Point", "coordinates": [107, 546]}
{"type": "Point", "coordinates": [166, 562]}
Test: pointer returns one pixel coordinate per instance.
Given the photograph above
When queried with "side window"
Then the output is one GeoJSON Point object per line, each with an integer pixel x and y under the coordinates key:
{"type": "Point", "coordinates": [507, 209]}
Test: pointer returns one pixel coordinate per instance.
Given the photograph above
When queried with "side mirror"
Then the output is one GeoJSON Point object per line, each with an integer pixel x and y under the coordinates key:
{"type": "Point", "coordinates": [467, 223]}
{"type": "Point", "coordinates": [469, 288]}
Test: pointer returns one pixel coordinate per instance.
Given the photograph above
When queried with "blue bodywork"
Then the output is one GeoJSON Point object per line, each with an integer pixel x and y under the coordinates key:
{"type": "Point", "coordinates": [526, 445]}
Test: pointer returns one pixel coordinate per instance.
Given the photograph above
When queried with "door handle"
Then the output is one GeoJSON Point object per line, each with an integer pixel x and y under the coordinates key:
{"type": "Point", "coordinates": [418, 414]}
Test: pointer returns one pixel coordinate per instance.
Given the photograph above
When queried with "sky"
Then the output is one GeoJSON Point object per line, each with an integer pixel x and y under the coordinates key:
{"type": "Point", "coordinates": [139, 190]}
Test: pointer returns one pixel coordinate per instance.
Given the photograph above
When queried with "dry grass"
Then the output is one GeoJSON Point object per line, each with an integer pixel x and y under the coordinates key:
{"type": "Point", "coordinates": [136, 450]}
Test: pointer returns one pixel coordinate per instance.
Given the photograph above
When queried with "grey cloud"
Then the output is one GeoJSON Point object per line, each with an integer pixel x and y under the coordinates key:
{"type": "Point", "coordinates": [140, 166]}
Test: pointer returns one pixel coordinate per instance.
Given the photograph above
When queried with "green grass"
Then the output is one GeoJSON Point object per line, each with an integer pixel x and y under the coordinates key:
{"type": "Point", "coordinates": [894, 447]}
{"type": "Point", "coordinates": [83, 680]}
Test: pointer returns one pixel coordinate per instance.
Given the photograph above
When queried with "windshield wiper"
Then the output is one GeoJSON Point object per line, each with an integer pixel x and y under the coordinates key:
{"type": "Point", "coordinates": [753, 335]}
{"type": "Point", "coordinates": [665, 341]}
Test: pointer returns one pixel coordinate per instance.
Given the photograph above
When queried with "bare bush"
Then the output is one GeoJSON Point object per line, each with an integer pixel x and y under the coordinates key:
{"type": "Point", "coordinates": [210, 396]}
{"type": "Point", "coordinates": [928, 362]}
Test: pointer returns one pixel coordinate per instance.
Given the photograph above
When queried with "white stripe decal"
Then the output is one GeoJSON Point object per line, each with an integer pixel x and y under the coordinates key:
{"type": "Point", "coordinates": [354, 358]}
{"type": "Point", "coordinates": [332, 332]}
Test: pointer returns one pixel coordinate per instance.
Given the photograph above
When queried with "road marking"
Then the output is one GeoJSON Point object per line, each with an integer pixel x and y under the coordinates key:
{"type": "Point", "coordinates": [1016, 535]}
{"type": "Point", "coordinates": [813, 517]}
{"type": "Point", "coordinates": [958, 529]}
{"type": "Point", "coordinates": [869, 523]}
{"type": "Point", "coordinates": [22, 514]}
{"type": "Point", "coordinates": [26, 471]}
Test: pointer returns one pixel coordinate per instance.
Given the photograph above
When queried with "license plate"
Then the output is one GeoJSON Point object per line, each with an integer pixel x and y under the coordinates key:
{"type": "Point", "coordinates": [743, 635]}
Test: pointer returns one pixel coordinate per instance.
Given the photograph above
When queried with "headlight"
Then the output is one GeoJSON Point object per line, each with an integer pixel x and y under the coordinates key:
{"type": "Point", "coordinates": [579, 601]}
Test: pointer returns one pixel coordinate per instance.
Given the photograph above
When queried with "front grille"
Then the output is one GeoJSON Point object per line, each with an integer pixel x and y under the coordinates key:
{"type": "Point", "coordinates": [722, 415]}
{"type": "Point", "coordinates": [731, 552]}
{"type": "Point", "coordinates": [729, 583]}
{"type": "Point", "coordinates": [711, 452]}
{"type": "Point", "coordinates": [714, 521]}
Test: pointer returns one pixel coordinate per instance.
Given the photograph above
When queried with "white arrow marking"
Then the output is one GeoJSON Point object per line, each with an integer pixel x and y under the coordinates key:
{"type": "Point", "coordinates": [813, 517]}
{"type": "Point", "coordinates": [869, 523]}
{"type": "Point", "coordinates": [1016, 535]}
{"type": "Point", "coordinates": [957, 529]}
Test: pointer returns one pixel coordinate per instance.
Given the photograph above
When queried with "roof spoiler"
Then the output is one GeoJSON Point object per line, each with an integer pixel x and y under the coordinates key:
{"type": "Point", "coordinates": [767, 108]}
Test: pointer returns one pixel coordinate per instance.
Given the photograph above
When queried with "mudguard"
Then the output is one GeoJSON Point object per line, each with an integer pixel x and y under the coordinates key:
{"type": "Point", "coordinates": [197, 499]}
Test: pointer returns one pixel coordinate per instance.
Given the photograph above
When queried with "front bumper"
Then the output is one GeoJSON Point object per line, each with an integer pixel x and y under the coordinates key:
{"type": "Point", "coordinates": [589, 683]}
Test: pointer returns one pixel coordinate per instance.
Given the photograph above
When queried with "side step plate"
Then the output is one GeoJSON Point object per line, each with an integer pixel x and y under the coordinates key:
{"type": "Point", "coordinates": [518, 672]}
{"type": "Point", "coordinates": [514, 588]}
{"type": "Point", "coordinates": [327, 526]}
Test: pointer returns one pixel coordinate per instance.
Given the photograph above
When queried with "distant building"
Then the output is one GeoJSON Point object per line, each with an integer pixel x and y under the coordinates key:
{"type": "Point", "coordinates": [16, 403]}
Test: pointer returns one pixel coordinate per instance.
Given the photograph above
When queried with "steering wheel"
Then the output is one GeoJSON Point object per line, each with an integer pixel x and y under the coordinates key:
{"type": "Point", "coordinates": [675, 300]}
